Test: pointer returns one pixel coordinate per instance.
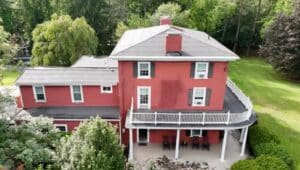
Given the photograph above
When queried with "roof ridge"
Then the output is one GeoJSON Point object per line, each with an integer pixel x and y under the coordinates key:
{"type": "Point", "coordinates": [163, 30]}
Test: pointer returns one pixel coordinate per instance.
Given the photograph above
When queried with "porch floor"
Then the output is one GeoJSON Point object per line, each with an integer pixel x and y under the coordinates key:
{"type": "Point", "coordinates": [143, 155]}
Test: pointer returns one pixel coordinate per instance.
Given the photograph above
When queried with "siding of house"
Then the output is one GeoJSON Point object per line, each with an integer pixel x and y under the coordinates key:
{"type": "Point", "coordinates": [61, 96]}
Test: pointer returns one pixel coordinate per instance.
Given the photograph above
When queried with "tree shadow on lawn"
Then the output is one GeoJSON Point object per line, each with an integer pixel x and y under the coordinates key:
{"type": "Point", "coordinates": [288, 137]}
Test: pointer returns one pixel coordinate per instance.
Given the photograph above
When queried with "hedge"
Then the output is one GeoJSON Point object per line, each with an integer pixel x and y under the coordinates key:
{"type": "Point", "coordinates": [274, 149]}
{"type": "Point", "coordinates": [257, 135]}
{"type": "Point", "coordinates": [267, 162]}
{"type": "Point", "coordinates": [248, 164]}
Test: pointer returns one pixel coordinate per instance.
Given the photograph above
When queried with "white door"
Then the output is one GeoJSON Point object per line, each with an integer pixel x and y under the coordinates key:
{"type": "Point", "coordinates": [144, 97]}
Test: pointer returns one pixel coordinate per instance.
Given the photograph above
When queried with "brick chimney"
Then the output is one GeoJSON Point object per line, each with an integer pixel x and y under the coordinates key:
{"type": "Point", "coordinates": [174, 43]}
{"type": "Point", "coordinates": [165, 20]}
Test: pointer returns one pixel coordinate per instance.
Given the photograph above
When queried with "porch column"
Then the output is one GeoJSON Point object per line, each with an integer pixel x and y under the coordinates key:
{"type": "Point", "coordinates": [130, 156]}
{"type": "Point", "coordinates": [224, 145]}
{"type": "Point", "coordinates": [244, 142]}
{"type": "Point", "coordinates": [177, 144]}
{"type": "Point", "coordinates": [242, 135]}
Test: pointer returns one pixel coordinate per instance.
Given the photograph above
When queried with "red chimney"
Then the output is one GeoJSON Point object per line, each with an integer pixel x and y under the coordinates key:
{"type": "Point", "coordinates": [173, 43]}
{"type": "Point", "coordinates": [165, 20]}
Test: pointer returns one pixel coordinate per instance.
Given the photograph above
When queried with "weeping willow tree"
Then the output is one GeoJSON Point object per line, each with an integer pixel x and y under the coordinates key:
{"type": "Point", "coordinates": [61, 41]}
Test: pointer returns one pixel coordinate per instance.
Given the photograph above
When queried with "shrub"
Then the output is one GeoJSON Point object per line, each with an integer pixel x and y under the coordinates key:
{"type": "Point", "coordinates": [274, 149]}
{"type": "Point", "coordinates": [248, 164]}
{"type": "Point", "coordinates": [271, 162]}
{"type": "Point", "coordinates": [257, 135]}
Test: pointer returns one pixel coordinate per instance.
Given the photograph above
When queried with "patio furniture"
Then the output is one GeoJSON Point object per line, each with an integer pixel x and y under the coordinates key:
{"type": "Point", "coordinates": [205, 144]}
{"type": "Point", "coordinates": [195, 142]}
{"type": "Point", "coordinates": [166, 143]}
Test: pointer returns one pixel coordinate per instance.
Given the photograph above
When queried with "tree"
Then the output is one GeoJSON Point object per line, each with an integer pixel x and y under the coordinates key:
{"type": "Point", "coordinates": [282, 43]}
{"type": "Point", "coordinates": [102, 15]}
{"type": "Point", "coordinates": [61, 41]}
{"type": "Point", "coordinates": [29, 144]}
{"type": "Point", "coordinates": [94, 145]}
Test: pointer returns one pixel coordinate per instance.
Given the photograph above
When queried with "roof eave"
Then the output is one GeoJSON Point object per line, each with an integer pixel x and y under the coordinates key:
{"type": "Point", "coordinates": [177, 58]}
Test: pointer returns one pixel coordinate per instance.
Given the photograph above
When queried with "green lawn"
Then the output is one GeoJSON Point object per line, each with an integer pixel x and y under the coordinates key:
{"type": "Point", "coordinates": [9, 77]}
{"type": "Point", "coordinates": [276, 100]}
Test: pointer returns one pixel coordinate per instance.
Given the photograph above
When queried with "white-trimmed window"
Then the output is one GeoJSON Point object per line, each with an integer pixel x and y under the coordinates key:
{"type": "Point", "coordinates": [199, 95]}
{"type": "Point", "coordinates": [106, 89]}
{"type": "Point", "coordinates": [144, 97]}
{"type": "Point", "coordinates": [76, 93]}
{"type": "Point", "coordinates": [201, 70]}
{"type": "Point", "coordinates": [144, 69]}
{"type": "Point", "coordinates": [39, 93]}
{"type": "Point", "coordinates": [196, 133]}
{"type": "Point", "coordinates": [61, 127]}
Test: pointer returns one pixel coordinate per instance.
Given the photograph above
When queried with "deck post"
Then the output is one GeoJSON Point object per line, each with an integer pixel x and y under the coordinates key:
{"type": "Point", "coordinates": [177, 144]}
{"type": "Point", "coordinates": [242, 135]}
{"type": "Point", "coordinates": [224, 145]}
{"type": "Point", "coordinates": [244, 142]}
{"type": "Point", "coordinates": [130, 156]}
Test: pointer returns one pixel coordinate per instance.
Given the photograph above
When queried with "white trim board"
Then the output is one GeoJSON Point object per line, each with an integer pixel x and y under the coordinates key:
{"type": "Point", "coordinates": [176, 58]}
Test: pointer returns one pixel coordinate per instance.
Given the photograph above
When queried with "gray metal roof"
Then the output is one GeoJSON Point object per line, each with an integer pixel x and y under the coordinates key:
{"type": "Point", "coordinates": [150, 42]}
{"type": "Point", "coordinates": [82, 112]}
{"type": "Point", "coordinates": [68, 76]}
{"type": "Point", "coordinates": [96, 62]}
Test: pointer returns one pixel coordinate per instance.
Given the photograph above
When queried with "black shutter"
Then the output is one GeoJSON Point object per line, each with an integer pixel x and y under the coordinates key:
{"type": "Point", "coordinates": [208, 94]}
{"type": "Point", "coordinates": [210, 69]}
{"type": "Point", "coordinates": [190, 97]}
{"type": "Point", "coordinates": [152, 69]}
{"type": "Point", "coordinates": [192, 73]}
{"type": "Point", "coordinates": [135, 69]}
{"type": "Point", "coordinates": [188, 133]}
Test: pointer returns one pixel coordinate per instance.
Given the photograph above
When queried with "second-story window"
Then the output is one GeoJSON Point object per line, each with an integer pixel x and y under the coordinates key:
{"type": "Point", "coordinates": [199, 94]}
{"type": "Point", "coordinates": [144, 69]}
{"type": "Point", "coordinates": [106, 89]}
{"type": "Point", "coordinates": [201, 70]}
{"type": "Point", "coordinates": [77, 95]}
{"type": "Point", "coordinates": [39, 93]}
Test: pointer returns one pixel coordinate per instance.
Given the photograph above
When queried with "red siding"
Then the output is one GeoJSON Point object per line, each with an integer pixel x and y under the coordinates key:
{"type": "Point", "coordinates": [61, 96]}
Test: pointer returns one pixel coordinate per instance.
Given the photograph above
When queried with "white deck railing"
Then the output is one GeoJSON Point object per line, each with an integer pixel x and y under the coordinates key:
{"type": "Point", "coordinates": [195, 118]}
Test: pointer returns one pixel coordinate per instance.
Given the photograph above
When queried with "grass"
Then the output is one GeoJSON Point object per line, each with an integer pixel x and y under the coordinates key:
{"type": "Point", "coordinates": [275, 99]}
{"type": "Point", "coordinates": [9, 77]}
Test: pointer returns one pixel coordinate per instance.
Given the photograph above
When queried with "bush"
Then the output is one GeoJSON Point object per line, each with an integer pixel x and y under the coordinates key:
{"type": "Point", "coordinates": [274, 149]}
{"type": "Point", "coordinates": [257, 135]}
{"type": "Point", "coordinates": [248, 164]}
{"type": "Point", "coordinates": [271, 162]}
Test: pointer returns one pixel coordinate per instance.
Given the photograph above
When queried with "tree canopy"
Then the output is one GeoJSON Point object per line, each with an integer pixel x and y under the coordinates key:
{"type": "Point", "coordinates": [94, 145]}
{"type": "Point", "coordinates": [61, 41]}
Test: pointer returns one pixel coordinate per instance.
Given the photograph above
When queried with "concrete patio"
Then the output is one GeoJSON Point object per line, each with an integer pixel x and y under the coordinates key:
{"type": "Point", "coordinates": [143, 155]}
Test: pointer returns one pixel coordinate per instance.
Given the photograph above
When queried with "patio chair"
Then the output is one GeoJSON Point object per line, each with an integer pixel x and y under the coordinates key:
{"type": "Point", "coordinates": [205, 144]}
{"type": "Point", "coordinates": [166, 143]}
{"type": "Point", "coordinates": [195, 142]}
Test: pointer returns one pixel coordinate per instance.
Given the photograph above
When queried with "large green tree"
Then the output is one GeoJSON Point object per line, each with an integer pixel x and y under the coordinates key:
{"type": "Point", "coordinates": [94, 145]}
{"type": "Point", "coordinates": [282, 43]}
{"type": "Point", "coordinates": [61, 41]}
{"type": "Point", "coordinates": [29, 144]}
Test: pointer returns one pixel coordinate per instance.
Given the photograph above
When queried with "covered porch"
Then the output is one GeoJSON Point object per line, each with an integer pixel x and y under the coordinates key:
{"type": "Point", "coordinates": [145, 154]}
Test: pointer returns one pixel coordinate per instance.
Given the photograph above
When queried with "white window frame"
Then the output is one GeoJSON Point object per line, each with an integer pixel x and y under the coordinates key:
{"type": "Point", "coordinates": [72, 95]}
{"type": "Point", "coordinates": [35, 94]}
{"type": "Point", "coordinates": [105, 91]}
{"type": "Point", "coordinates": [148, 106]}
{"type": "Point", "coordinates": [64, 125]}
{"type": "Point", "coordinates": [204, 96]}
{"type": "Point", "coordinates": [149, 70]}
{"type": "Point", "coordinates": [205, 73]}
{"type": "Point", "coordinates": [194, 135]}
{"type": "Point", "coordinates": [138, 136]}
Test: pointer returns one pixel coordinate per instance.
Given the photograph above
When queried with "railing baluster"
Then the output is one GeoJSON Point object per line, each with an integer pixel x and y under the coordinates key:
{"type": "Point", "coordinates": [228, 117]}
{"type": "Point", "coordinates": [203, 118]}
{"type": "Point", "coordinates": [155, 118]}
{"type": "Point", "coordinates": [179, 118]}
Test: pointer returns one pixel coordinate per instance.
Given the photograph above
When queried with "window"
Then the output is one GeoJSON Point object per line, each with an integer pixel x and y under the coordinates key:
{"type": "Point", "coordinates": [76, 91]}
{"type": "Point", "coordinates": [201, 70]}
{"type": "Point", "coordinates": [61, 127]}
{"type": "Point", "coordinates": [144, 97]}
{"type": "Point", "coordinates": [199, 96]}
{"type": "Point", "coordinates": [144, 69]}
{"type": "Point", "coordinates": [196, 132]}
{"type": "Point", "coordinates": [106, 89]}
{"type": "Point", "coordinates": [39, 93]}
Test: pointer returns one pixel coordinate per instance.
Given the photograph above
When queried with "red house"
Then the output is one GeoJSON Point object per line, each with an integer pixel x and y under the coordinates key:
{"type": "Point", "coordinates": [162, 84]}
